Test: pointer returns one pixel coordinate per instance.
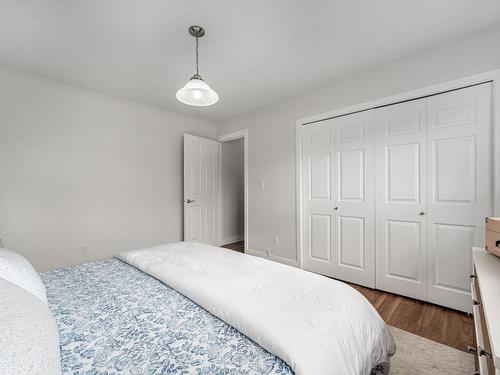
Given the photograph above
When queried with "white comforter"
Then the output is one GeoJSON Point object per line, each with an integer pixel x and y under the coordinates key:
{"type": "Point", "coordinates": [315, 324]}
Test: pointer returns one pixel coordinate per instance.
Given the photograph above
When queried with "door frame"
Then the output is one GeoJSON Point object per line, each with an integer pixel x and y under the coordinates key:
{"type": "Point", "coordinates": [240, 134]}
{"type": "Point", "coordinates": [492, 76]}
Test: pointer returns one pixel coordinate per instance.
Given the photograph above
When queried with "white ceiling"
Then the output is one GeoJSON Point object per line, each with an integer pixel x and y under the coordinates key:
{"type": "Point", "coordinates": [255, 52]}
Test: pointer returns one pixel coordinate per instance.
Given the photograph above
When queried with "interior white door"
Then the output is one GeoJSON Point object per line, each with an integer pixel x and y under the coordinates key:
{"type": "Point", "coordinates": [201, 188]}
{"type": "Point", "coordinates": [354, 232]}
{"type": "Point", "coordinates": [318, 197]}
{"type": "Point", "coordinates": [400, 193]}
{"type": "Point", "coordinates": [459, 185]}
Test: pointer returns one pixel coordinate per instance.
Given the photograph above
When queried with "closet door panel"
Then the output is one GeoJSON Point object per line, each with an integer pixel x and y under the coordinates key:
{"type": "Point", "coordinates": [403, 173]}
{"type": "Point", "coordinates": [320, 235]}
{"type": "Point", "coordinates": [351, 175]}
{"type": "Point", "coordinates": [450, 258]}
{"type": "Point", "coordinates": [460, 189]}
{"type": "Point", "coordinates": [400, 191]}
{"type": "Point", "coordinates": [354, 207]}
{"type": "Point", "coordinates": [351, 242]}
{"type": "Point", "coordinates": [403, 249]}
{"type": "Point", "coordinates": [318, 170]}
{"type": "Point", "coordinates": [319, 181]}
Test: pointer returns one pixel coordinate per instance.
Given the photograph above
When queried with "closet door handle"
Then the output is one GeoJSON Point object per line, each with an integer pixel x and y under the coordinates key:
{"type": "Point", "coordinates": [421, 213]}
{"type": "Point", "coordinates": [335, 208]}
{"type": "Point", "coordinates": [189, 200]}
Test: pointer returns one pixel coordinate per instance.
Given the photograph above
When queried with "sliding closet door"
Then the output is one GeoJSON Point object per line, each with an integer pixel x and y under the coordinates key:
{"type": "Point", "coordinates": [459, 189]}
{"type": "Point", "coordinates": [318, 197]}
{"type": "Point", "coordinates": [400, 193]}
{"type": "Point", "coordinates": [354, 207]}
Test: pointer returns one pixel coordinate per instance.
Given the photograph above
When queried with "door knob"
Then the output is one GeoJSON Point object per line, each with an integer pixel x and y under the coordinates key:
{"type": "Point", "coordinates": [189, 200]}
{"type": "Point", "coordinates": [335, 208]}
{"type": "Point", "coordinates": [421, 213]}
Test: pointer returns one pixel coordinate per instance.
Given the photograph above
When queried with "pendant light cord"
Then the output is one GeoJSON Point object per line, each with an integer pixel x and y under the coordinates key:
{"type": "Point", "coordinates": [197, 72]}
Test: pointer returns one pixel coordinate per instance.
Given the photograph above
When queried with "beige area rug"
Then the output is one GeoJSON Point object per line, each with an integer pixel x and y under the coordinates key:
{"type": "Point", "coordinates": [416, 355]}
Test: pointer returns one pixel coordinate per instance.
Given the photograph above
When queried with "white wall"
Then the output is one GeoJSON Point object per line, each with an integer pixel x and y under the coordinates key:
{"type": "Point", "coordinates": [79, 167]}
{"type": "Point", "coordinates": [272, 129]}
{"type": "Point", "coordinates": [233, 175]}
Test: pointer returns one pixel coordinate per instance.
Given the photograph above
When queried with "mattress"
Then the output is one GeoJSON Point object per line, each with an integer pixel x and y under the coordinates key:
{"type": "Point", "coordinates": [115, 319]}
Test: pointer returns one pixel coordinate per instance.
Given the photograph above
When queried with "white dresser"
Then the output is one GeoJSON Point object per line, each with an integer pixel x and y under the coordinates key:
{"type": "Point", "coordinates": [485, 288]}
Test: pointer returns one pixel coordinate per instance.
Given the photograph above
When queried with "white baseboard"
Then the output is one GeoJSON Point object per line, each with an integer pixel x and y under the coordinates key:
{"type": "Point", "coordinates": [233, 239]}
{"type": "Point", "coordinates": [275, 258]}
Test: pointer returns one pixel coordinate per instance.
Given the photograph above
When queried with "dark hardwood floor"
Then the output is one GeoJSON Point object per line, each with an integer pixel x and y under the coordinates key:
{"type": "Point", "coordinates": [237, 246]}
{"type": "Point", "coordinates": [437, 323]}
{"type": "Point", "coordinates": [440, 324]}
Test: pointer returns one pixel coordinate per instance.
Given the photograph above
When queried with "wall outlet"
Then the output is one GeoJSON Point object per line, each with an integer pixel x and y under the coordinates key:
{"type": "Point", "coordinates": [85, 249]}
{"type": "Point", "coordinates": [275, 241]}
{"type": "Point", "coordinates": [267, 252]}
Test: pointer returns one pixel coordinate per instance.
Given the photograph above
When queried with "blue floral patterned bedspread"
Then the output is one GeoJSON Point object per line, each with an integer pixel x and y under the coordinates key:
{"type": "Point", "coordinates": [115, 319]}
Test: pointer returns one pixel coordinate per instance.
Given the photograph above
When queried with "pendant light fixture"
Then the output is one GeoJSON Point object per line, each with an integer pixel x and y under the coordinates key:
{"type": "Point", "coordinates": [197, 92]}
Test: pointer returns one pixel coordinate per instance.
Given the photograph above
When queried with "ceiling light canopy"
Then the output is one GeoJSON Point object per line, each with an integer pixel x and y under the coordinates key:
{"type": "Point", "coordinates": [197, 92]}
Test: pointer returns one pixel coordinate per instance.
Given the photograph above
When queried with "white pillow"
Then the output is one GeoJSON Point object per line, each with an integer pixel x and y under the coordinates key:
{"type": "Point", "coordinates": [16, 269]}
{"type": "Point", "coordinates": [29, 339]}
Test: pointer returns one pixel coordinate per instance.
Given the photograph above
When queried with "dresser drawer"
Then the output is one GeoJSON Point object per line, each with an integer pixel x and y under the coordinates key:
{"type": "Point", "coordinates": [486, 308]}
{"type": "Point", "coordinates": [483, 347]}
{"type": "Point", "coordinates": [474, 288]}
{"type": "Point", "coordinates": [478, 328]}
{"type": "Point", "coordinates": [483, 366]}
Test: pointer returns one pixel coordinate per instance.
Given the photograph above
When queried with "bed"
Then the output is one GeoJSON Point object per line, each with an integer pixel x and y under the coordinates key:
{"type": "Point", "coordinates": [190, 308]}
{"type": "Point", "coordinates": [115, 319]}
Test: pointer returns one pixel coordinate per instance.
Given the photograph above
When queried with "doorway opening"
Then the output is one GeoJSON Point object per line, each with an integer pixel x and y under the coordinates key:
{"type": "Point", "coordinates": [233, 208]}
{"type": "Point", "coordinates": [232, 193]}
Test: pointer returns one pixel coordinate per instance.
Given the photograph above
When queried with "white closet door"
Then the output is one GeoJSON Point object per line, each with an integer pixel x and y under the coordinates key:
{"type": "Point", "coordinates": [318, 197]}
{"type": "Point", "coordinates": [201, 189]}
{"type": "Point", "coordinates": [400, 193]}
{"type": "Point", "coordinates": [459, 188]}
{"type": "Point", "coordinates": [353, 186]}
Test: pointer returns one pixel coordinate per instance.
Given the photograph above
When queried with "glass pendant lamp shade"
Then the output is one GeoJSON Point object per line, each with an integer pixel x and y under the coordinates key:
{"type": "Point", "coordinates": [197, 92]}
